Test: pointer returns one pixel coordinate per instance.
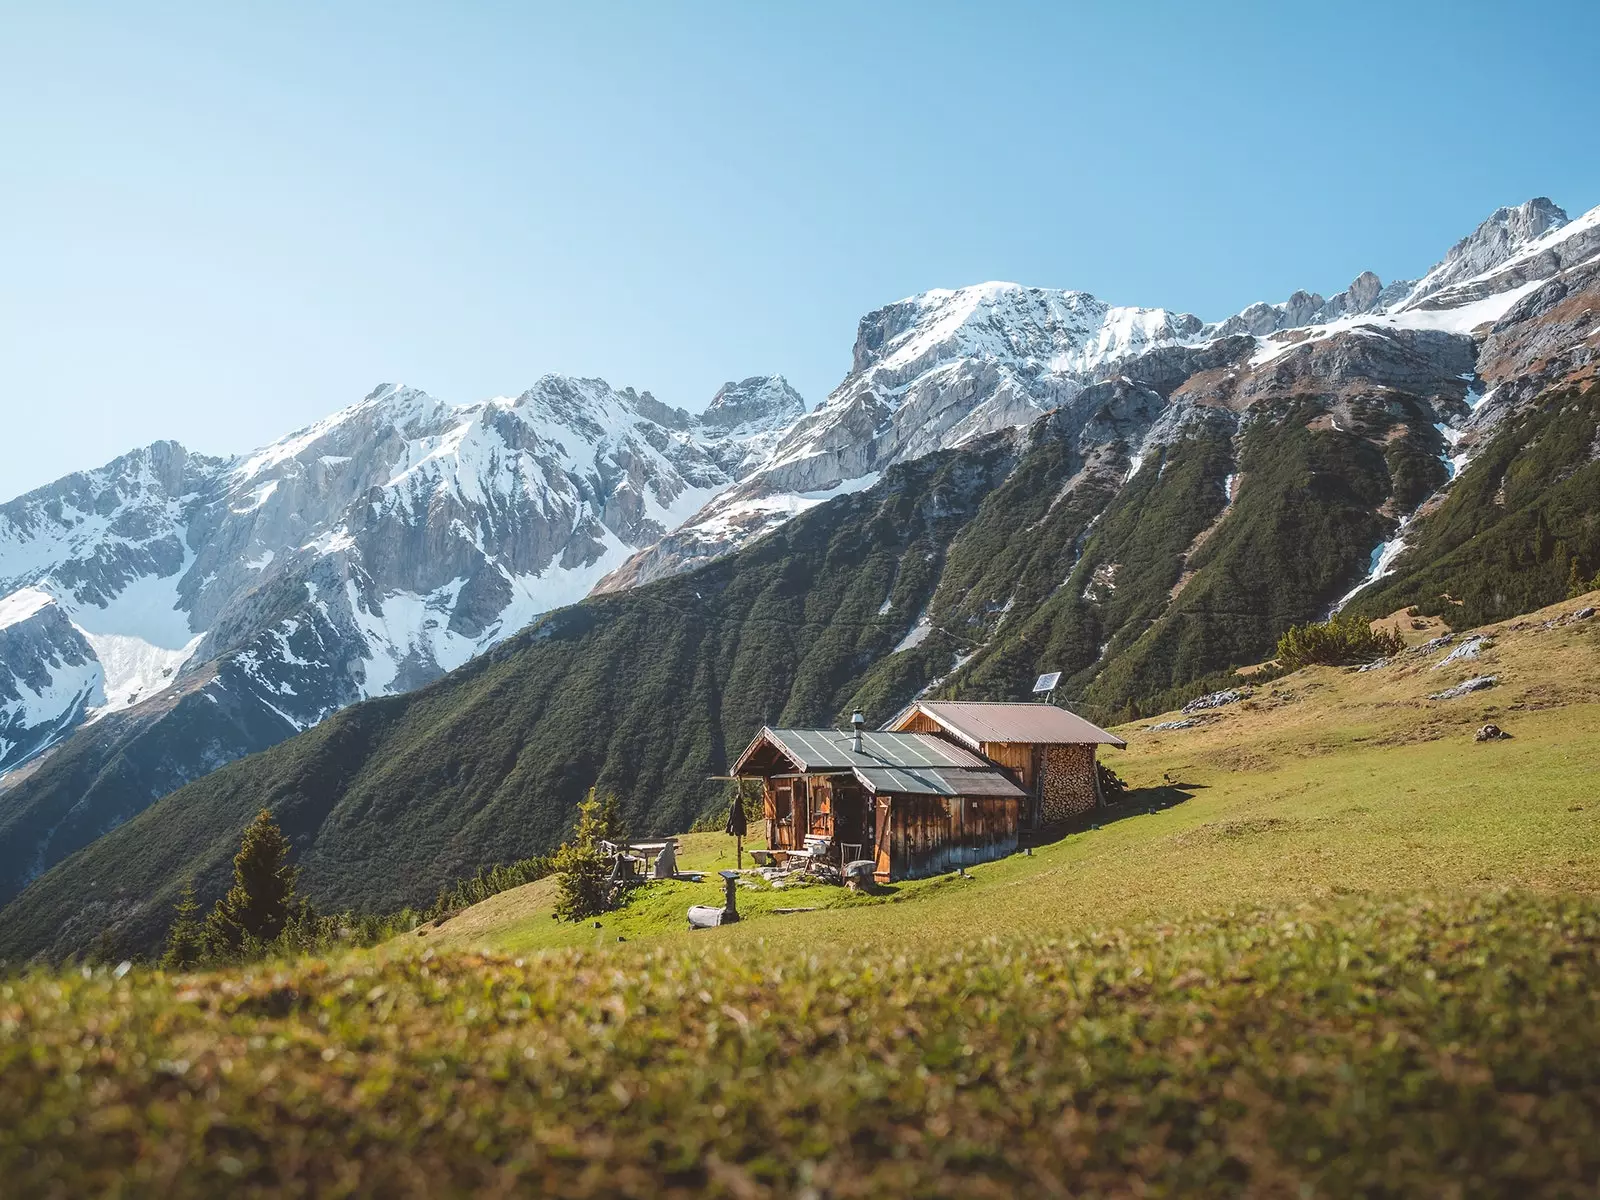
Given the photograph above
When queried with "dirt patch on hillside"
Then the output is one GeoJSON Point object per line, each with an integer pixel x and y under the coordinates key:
{"type": "Point", "coordinates": [1221, 832]}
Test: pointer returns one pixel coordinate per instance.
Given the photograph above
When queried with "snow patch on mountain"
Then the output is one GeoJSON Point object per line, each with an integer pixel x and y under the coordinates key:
{"type": "Point", "coordinates": [1462, 319]}
{"type": "Point", "coordinates": [48, 675]}
{"type": "Point", "coordinates": [22, 604]}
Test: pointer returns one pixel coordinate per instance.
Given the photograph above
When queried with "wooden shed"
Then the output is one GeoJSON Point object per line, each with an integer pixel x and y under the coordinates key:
{"type": "Point", "coordinates": [915, 803]}
{"type": "Point", "coordinates": [1046, 750]}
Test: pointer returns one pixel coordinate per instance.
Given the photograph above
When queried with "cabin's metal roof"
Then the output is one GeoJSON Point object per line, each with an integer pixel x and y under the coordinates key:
{"type": "Point", "coordinates": [978, 721]}
{"type": "Point", "coordinates": [830, 750]}
{"type": "Point", "coordinates": [936, 781]}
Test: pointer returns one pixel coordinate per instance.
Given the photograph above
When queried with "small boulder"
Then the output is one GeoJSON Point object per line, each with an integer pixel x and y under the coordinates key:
{"type": "Point", "coordinates": [1490, 733]}
{"type": "Point", "coordinates": [1471, 648]}
{"type": "Point", "coordinates": [1476, 684]}
{"type": "Point", "coordinates": [1216, 700]}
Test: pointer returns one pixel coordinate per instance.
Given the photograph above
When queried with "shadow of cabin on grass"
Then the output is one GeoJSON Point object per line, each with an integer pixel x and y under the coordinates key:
{"type": "Point", "coordinates": [1135, 802]}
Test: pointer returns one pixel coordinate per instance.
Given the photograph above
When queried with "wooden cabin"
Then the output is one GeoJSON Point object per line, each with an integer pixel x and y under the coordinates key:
{"type": "Point", "coordinates": [914, 803]}
{"type": "Point", "coordinates": [1047, 751]}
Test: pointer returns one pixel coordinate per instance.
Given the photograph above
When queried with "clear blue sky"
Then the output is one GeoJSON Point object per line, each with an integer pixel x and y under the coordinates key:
{"type": "Point", "coordinates": [220, 222]}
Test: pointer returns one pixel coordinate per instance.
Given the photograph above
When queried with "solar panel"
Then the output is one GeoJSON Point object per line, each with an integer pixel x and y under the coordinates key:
{"type": "Point", "coordinates": [1047, 682]}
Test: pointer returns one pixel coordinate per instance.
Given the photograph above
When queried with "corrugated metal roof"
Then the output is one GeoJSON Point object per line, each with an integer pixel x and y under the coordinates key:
{"type": "Point", "coordinates": [936, 781]}
{"type": "Point", "coordinates": [978, 721]}
{"type": "Point", "coordinates": [830, 750]}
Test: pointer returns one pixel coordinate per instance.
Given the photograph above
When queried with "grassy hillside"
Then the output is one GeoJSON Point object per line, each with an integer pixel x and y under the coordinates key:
{"type": "Point", "coordinates": [1326, 782]}
{"type": "Point", "coordinates": [1331, 946]}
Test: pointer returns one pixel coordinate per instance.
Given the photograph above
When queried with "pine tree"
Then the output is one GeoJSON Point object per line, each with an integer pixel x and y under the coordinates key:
{"type": "Point", "coordinates": [580, 865]}
{"type": "Point", "coordinates": [1577, 585]}
{"type": "Point", "coordinates": [186, 938]}
{"type": "Point", "coordinates": [259, 903]}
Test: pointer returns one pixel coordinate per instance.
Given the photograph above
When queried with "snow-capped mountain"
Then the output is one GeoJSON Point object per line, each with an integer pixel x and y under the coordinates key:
{"type": "Point", "coordinates": [939, 369]}
{"type": "Point", "coordinates": [364, 555]}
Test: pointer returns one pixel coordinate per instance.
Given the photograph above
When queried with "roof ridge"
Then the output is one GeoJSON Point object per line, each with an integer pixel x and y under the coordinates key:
{"type": "Point", "coordinates": [1039, 703]}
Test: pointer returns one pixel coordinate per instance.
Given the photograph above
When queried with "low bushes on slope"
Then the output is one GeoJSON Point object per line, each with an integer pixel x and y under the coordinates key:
{"type": "Point", "coordinates": [1398, 1047]}
{"type": "Point", "coordinates": [1342, 639]}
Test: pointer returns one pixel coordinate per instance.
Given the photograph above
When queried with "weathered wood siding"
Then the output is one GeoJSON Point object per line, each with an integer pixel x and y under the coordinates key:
{"type": "Point", "coordinates": [928, 835]}
{"type": "Point", "coordinates": [778, 803]}
{"type": "Point", "coordinates": [1068, 787]}
{"type": "Point", "coordinates": [882, 816]}
{"type": "Point", "coordinates": [1018, 758]}
{"type": "Point", "coordinates": [920, 722]}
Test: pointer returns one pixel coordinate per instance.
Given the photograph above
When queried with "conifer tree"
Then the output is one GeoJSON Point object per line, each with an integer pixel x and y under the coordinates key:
{"type": "Point", "coordinates": [580, 865]}
{"type": "Point", "coordinates": [1577, 585]}
{"type": "Point", "coordinates": [186, 938]}
{"type": "Point", "coordinates": [260, 902]}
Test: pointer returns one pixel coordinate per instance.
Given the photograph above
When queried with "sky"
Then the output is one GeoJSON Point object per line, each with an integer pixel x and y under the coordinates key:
{"type": "Point", "coordinates": [219, 223]}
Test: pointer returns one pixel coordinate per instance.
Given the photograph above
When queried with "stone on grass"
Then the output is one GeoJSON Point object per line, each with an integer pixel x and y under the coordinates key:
{"type": "Point", "coordinates": [1475, 684]}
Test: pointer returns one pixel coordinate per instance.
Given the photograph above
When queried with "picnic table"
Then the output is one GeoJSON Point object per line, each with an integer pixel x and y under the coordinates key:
{"type": "Point", "coordinates": [663, 854]}
{"type": "Point", "coordinates": [639, 849]}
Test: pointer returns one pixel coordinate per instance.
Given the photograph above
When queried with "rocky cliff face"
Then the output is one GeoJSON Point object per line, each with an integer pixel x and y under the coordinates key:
{"type": "Point", "coordinates": [1504, 235]}
{"type": "Point", "coordinates": [49, 675]}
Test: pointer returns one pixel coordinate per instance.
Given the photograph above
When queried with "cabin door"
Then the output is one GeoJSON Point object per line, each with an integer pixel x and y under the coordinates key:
{"type": "Point", "coordinates": [852, 822]}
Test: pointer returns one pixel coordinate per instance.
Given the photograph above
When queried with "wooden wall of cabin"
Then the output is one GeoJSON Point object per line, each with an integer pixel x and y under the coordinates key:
{"type": "Point", "coordinates": [840, 811]}
{"type": "Point", "coordinates": [830, 806]}
{"type": "Point", "coordinates": [883, 825]}
{"type": "Point", "coordinates": [1020, 759]}
{"type": "Point", "coordinates": [1068, 787]}
{"type": "Point", "coordinates": [921, 722]}
{"type": "Point", "coordinates": [929, 835]}
{"type": "Point", "coordinates": [778, 807]}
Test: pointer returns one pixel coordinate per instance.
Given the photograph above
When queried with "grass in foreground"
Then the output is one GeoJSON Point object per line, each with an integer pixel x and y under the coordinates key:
{"type": "Point", "coordinates": [1444, 1045]}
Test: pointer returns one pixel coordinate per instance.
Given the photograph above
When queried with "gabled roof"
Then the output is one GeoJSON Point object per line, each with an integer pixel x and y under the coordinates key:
{"type": "Point", "coordinates": [831, 751]}
{"type": "Point", "coordinates": [979, 721]}
{"type": "Point", "coordinates": [813, 750]}
{"type": "Point", "coordinates": [908, 763]}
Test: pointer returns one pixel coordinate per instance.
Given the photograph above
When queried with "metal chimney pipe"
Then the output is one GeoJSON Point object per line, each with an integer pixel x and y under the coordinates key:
{"type": "Point", "coordinates": [857, 723]}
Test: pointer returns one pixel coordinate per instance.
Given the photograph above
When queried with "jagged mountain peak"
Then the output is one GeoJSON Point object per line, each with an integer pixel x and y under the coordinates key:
{"type": "Point", "coordinates": [757, 402]}
{"type": "Point", "coordinates": [1499, 237]}
{"type": "Point", "coordinates": [1067, 329]}
{"type": "Point", "coordinates": [390, 410]}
